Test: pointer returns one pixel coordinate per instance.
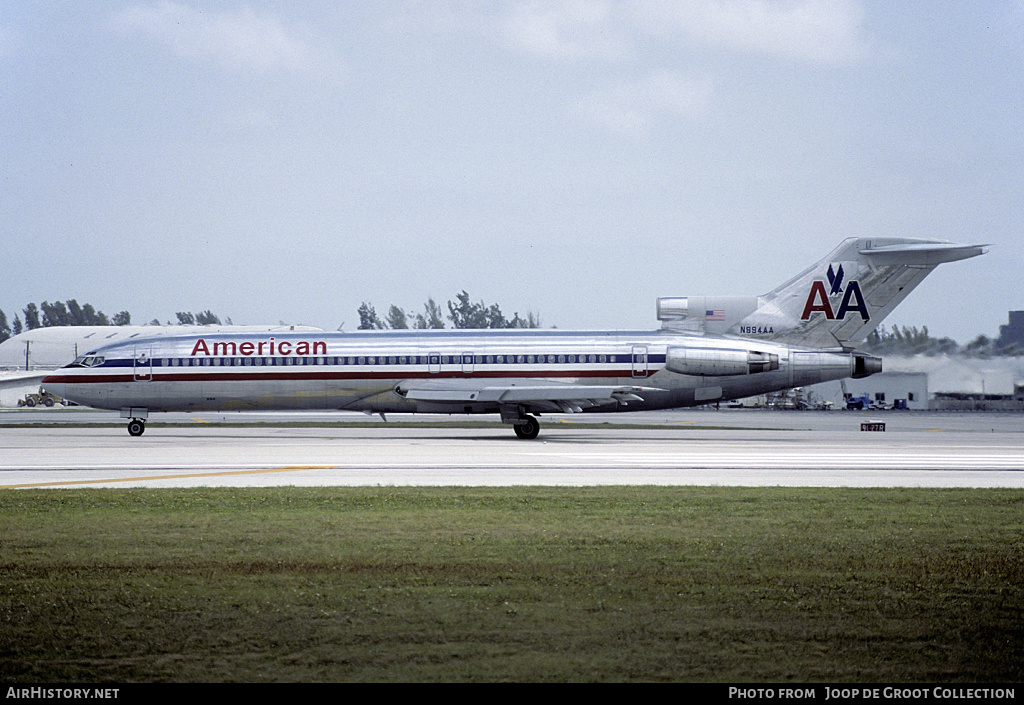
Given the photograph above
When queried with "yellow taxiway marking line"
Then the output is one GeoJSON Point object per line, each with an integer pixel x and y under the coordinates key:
{"type": "Point", "coordinates": [290, 468]}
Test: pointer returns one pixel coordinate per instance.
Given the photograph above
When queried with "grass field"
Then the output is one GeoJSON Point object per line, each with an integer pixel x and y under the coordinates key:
{"type": "Point", "coordinates": [521, 584]}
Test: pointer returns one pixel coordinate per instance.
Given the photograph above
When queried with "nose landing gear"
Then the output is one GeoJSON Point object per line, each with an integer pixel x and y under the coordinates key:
{"type": "Point", "coordinates": [136, 416]}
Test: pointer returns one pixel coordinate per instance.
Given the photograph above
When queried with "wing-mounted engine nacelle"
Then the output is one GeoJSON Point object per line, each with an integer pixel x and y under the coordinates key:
{"type": "Point", "coordinates": [719, 362]}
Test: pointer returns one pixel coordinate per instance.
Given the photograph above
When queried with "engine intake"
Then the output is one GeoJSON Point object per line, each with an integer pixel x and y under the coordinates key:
{"type": "Point", "coordinates": [719, 310]}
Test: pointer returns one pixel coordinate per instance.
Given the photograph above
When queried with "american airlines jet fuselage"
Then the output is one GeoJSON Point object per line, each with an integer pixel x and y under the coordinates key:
{"type": "Point", "coordinates": [474, 372]}
{"type": "Point", "coordinates": [709, 349]}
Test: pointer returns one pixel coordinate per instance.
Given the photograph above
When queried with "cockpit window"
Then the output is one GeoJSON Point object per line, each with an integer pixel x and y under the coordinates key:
{"type": "Point", "coordinates": [87, 360]}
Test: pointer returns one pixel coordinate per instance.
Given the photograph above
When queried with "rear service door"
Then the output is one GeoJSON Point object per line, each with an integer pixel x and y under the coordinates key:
{"type": "Point", "coordinates": [639, 360]}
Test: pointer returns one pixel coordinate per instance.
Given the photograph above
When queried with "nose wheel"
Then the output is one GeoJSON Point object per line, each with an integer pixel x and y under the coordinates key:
{"type": "Point", "coordinates": [136, 427]}
{"type": "Point", "coordinates": [527, 428]}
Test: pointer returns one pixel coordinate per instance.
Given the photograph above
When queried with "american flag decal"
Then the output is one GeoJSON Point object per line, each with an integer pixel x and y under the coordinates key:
{"type": "Point", "coordinates": [716, 315]}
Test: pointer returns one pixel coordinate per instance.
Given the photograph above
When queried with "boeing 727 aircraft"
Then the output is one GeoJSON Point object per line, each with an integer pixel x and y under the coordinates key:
{"type": "Point", "coordinates": [709, 349]}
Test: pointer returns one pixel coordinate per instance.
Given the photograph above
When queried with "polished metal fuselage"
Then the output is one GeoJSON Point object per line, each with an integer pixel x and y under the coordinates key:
{"type": "Point", "coordinates": [366, 371]}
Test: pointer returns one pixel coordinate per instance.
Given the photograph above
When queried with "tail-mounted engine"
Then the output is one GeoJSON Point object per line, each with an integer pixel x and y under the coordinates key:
{"type": "Point", "coordinates": [719, 362]}
{"type": "Point", "coordinates": [713, 313]}
{"type": "Point", "coordinates": [865, 365]}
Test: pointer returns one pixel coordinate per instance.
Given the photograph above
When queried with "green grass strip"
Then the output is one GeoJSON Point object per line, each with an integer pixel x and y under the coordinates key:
{"type": "Point", "coordinates": [512, 584]}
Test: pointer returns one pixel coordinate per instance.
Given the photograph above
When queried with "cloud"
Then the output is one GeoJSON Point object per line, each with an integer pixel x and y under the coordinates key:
{"type": "Point", "coordinates": [631, 109]}
{"type": "Point", "coordinates": [238, 40]}
{"type": "Point", "coordinates": [672, 33]}
{"type": "Point", "coordinates": [814, 31]}
{"type": "Point", "coordinates": [10, 41]}
{"type": "Point", "coordinates": [566, 29]}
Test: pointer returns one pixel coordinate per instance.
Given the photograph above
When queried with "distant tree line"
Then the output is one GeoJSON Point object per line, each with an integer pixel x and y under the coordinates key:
{"type": "Point", "coordinates": [58, 313]}
{"type": "Point", "coordinates": [206, 318]}
{"type": "Point", "coordinates": [462, 313]}
{"type": "Point", "coordinates": [70, 313]}
{"type": "Point", "coordinates": [911, 341]}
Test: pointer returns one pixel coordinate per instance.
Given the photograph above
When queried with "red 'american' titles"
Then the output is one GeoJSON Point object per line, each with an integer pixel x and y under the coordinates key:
{"type": "Point", "coordinates": [228, 348]}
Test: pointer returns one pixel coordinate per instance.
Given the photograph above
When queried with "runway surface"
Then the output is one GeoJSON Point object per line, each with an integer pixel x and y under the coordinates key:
{"type": "Point", "coordinates": [80, 448]}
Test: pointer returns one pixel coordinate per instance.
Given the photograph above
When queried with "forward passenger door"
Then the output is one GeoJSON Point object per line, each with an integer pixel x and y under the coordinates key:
{"type": "Point", "coordinates": [143, 364]}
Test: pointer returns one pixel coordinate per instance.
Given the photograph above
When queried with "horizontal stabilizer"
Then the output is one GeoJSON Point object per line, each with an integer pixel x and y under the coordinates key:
{"type": "Point", "coordinates": [922, 253]}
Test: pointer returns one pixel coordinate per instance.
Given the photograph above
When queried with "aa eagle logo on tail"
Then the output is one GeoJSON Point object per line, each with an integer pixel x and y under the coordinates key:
{"type": "Point", "coordinates": [819, 301]}
{"type": "Point", "coordinates": [836, 280]}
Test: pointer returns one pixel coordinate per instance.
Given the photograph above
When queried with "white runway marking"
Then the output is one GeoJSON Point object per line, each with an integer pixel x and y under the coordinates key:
{"type": "Point", "coordinates": [801, 450]}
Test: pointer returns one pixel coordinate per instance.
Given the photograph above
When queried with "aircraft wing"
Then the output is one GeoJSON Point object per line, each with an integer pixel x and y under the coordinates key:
{"type": "Point", "coordinates": [540, 394]}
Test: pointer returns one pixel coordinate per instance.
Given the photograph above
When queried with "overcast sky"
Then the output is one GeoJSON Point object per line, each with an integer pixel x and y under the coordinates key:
{"type": "Point", "coordinates": [283, 161]}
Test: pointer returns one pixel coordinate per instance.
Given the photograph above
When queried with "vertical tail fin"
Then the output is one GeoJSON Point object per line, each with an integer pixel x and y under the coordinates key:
{"type": "Point", "coordinates": [847, 294]}
{"type": "Point", "coordinates": [834, 303]}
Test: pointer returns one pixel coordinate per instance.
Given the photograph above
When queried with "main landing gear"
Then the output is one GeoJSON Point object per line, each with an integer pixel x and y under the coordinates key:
{"type": "Point", "coordinates": [527, 427]}
{"type": "Point", "coordinates": [136, 427]}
